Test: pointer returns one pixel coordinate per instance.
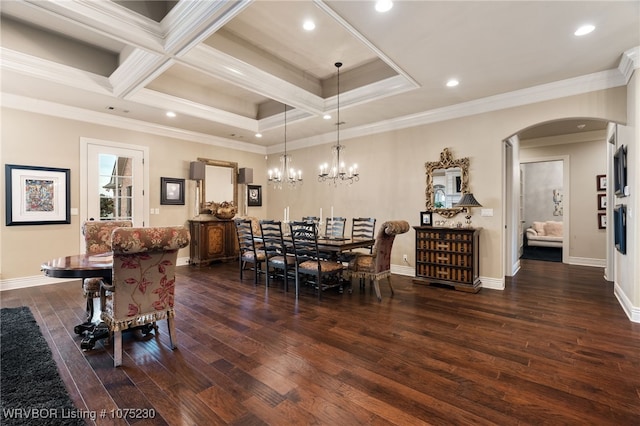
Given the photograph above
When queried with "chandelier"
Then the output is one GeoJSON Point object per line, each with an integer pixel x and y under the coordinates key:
{"type": "Point", "coordinates": [285, 173]}
{"type": "Point", "coordinates": [338, 172]}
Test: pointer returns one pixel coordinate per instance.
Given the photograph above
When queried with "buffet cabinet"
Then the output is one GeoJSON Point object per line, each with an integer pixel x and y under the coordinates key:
{"type": "Point", "coordinates": [448, 256]}
{"type": "Point", "coordinates": [211, 240]}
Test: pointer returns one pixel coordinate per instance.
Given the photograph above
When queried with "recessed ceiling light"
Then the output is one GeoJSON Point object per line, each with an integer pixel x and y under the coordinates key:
{"type": "Point", "coordinates": [327, 116]}
{"type": "Point", "coordinates": [384, 5]}
{"type": "Point", "coordinates": [452, 83]}
{"type": "Point", "coordinates": [584, 30]}
{"type": "Point", "coordinates": [309, 25]}
{"type": "Point", "coordinates": [258, 135]}
{"type": "Point", "coordinates": [171, 114]}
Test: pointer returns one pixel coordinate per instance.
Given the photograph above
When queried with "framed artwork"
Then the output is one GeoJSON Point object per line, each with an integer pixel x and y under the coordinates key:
{"type": "Point", "coordinates": [37, 195]}
{"type": "Point", "coordinates": [620, 228]}
{"type": "Point", "coordinates": [254, 195]}
{"type": "Point", "coordinates": [602, 201]}
{"type": "Point", "coordinates": [602, 221]}
{"type": "Point", "coordinates": [171, 191]}
{"type": "Point", "coordinates": [426, 219]}
{"type": "Point", "coordinates": [620, 171]}
{"type": "Point", "coordinates": [601, 182]}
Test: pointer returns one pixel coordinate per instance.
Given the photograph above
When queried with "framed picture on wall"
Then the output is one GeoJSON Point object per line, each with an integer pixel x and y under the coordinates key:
{"type": "Point", "coordinates": [37, 195]}
{"type": "Point", "coordinates": [602, 221]}
{"type": "Point", "coordinates": [171, 191]}
{"type": "Point", "coordinates": [620, 171]}
{"type": "Point", "coordinates": [602, 201]}
{"type": "Point", "coordinates": [426, 219]}
{"type": "Point", "coordinates": [601, 182]}
{"type": "Point", "coordinates": [254, 195]}
{"type": "Point", "coordinates": [620, 228]}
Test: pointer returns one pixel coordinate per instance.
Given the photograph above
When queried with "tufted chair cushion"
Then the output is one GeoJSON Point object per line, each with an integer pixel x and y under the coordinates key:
{"type": "Point", "coordinates": [144, 261]}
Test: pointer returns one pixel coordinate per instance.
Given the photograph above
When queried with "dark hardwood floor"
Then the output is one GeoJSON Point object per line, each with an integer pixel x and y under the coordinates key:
{"type": "Point", "coordinates": [554, 348]}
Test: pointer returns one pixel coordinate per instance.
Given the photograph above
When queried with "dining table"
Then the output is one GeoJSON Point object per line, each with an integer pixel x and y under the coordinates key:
{"type": "Point", "coordinates": [81, 266]}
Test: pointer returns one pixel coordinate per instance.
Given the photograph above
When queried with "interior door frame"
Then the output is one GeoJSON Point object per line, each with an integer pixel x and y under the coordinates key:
{"type": "Point", "coordinates": [84, 174]}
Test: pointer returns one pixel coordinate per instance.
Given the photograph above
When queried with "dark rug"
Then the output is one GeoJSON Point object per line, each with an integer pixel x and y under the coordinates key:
{"type": "Point", "coordinates": [31, 390]}
{"type": "Point", "coordinates": [548, 254]}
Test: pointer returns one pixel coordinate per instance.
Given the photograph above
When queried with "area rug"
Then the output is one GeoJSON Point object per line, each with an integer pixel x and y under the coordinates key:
{"type": "Point", "coordinates": [31, 390]}
{"type": "Point", "coordinates": [547, 254]}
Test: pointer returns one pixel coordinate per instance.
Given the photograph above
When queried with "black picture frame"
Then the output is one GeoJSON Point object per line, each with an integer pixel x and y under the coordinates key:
{"type": "Point", "coordinates": [602, 221]}
{"type": "Point", "coordinates": [620, 171]}
{"type": "Point", "coordinates": [620, 228]}
{"type": "Point", "coordinates": [602, 201]}
{"type": "Point", "coordinates": [171, 191]}
{"type": "Point", "coordinates": [601, 182]}
{"type": "Point", "coordinates": [37, 195]}
{"type": "Point", "coordinates": [426, 219]}
{"type": "Point", "coordinates": [254, 195]}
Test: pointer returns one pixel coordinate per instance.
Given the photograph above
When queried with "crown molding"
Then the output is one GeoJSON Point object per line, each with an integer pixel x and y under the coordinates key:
{"type": "Point", "coordinates": [78, 114]}
{"type": "Point", "coordinates": [544, 92]}
{"type": "Point", "coordinates": [629, 62]}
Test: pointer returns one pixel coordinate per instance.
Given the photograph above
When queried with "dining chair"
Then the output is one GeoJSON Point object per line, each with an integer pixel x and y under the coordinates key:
{"type": "Point", "coordinates": [335, 227]}
{"type": "Point", "coordinates": [362, 228]}
{"type": "Point", "coordinates": [97, 238]}
{"type": "Point", "coordinates": [309, 262]}
{"type": "Point", "coordinates": [143, 284]}
{"type": "Point", "coordinates": [277, 254]}
{"type": "Point", "coordinates": [313, 219]}
{"type": "Point", "coordinates": [377, 265]}
{"type": "Point", "coordinates": [248, 253]}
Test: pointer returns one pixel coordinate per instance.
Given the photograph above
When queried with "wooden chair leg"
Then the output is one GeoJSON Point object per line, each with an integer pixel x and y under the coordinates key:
{"type": "Point", "coordinates": [376, 287]}
{"type": "Point", "coordinates": [117, 348]}
{"type": "Point", "coordinates": [390, 286]}
{"type": "Point", "coordinates": [172, 333]}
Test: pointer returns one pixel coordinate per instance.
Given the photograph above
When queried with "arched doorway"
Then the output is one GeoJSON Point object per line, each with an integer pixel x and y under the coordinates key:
{"type": "Point", "coordinates": [559, 139]}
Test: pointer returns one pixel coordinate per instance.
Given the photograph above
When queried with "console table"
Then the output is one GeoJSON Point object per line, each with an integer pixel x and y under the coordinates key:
{"type": "Point", "coordinates": [212, 239]}
{"type": "Point", "coordinates": [448, 256]}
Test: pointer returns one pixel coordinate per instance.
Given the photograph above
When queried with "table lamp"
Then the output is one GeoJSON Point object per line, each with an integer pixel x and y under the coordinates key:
{"type": "Point", "coordinates": [467, 201]}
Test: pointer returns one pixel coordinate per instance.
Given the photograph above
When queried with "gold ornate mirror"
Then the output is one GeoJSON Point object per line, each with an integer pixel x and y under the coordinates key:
{"type": "Point", "coordinates": [447, 180]}
{"type": "Point", "coordinates": [220, 182]}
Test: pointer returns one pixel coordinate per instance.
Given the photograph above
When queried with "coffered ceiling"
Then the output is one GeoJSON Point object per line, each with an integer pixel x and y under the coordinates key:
{"type": "Point", "coordinates": [227, 69]}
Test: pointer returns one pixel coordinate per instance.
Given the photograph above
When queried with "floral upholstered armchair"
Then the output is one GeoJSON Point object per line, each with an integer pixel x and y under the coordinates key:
{"type": "Point", "coordinates": [377, 265]}
{"type": "Point", "coordinates": [143, 283]}
{"type": "Point", "coordinates": [97, 238]}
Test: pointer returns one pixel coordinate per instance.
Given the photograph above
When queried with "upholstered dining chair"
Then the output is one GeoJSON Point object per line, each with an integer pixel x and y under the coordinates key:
{"type": "Point", "coordinates": [278, 256]}
{"type": "Point", "coordinates": [335, 227]}
{"type": "Point", "coordinates": [248, 253]}
{"type": "Point", "coordinates": [377, 265]}
{"type": "Point", "coordinates": [144, 261]}
{"type": "Point", "coordinates": [362, 228]}
{"type": "Point", "coordinates": [309, 262]}
{"type": "Point", "coordinates": [97, 238]}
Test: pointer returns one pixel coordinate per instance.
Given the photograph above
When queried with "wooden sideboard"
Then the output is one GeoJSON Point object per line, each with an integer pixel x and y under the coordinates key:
{"type": "Point", "coordinates": [448, 256]}
{"type": "Point", "coordinates": [211, 240]}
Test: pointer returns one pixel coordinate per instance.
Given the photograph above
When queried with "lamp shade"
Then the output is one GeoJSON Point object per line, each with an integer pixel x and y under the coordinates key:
{"type": "Point", "coordinates": [468, 200]}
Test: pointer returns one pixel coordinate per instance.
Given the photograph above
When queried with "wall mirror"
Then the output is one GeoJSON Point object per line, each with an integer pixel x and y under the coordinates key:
{"type": "Point", "coordinates": [447, 180]}
{"type": "Point", "coordinates": [220, 182]}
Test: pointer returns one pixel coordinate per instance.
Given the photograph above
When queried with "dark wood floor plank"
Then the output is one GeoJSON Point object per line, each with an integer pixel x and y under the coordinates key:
{"type": "Point", "coordinates": [543, 351]}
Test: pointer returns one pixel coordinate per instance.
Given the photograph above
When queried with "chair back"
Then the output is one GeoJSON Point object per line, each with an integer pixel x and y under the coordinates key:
{"type": "Point", "coordinates": [384, 243]}
{"type": "Point", "coordinates": [97, 234]}
{"type": "Point", "coordinates": [143, 281]}
{"type": "Point", "coordinates": [246, 242]}
{"type": "Point", "coordinates": [272, 239]}
{"type": "Point", "coordinates": [335, 227]}
{"type": "Point", "coordinates": [305, 240]}
{"type": "Point", "coordinates": [363, 228]}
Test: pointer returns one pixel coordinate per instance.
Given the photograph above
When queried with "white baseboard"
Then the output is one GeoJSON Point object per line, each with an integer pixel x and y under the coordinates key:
{"type": "Point", "coordinates": [633, 312]}
{"type": "Point", "coordinates": [492, 283]}
{"type": "Point", "coordinates": [587, 261]}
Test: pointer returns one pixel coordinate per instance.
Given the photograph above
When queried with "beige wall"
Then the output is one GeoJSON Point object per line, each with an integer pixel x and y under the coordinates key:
{"type": "Point", "coordinates": [392, 181]}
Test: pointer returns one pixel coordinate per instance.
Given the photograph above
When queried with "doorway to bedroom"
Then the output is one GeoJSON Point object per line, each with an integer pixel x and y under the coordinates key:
{"type": "Point", "coordinates": [542, 207]}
